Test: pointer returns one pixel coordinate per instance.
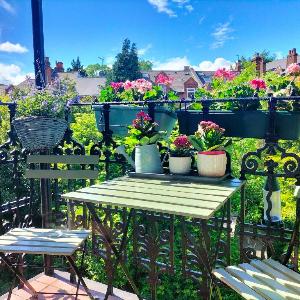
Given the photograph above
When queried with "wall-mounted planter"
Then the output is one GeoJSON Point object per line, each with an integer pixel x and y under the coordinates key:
{"type": "Point", "coordinates": [245, 124]}
{"type": "Point", "coordinates": [121, 117]}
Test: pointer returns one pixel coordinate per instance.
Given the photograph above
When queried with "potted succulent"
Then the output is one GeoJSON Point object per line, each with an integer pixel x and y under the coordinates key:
{"type": "Point", "coordinates": [121, 115]}
{"type": "Point", "coordinates": [209, 141]}
{"type": "Point", "coordinates": [180, 155]}
{"type": "Point", "coordinates": [144, 135]}
{"type": "Point", "coordinates": [39, 122]}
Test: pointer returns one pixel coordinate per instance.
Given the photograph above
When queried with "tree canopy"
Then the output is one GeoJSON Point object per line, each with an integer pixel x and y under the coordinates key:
{"type": "Point", "coordinates": [93, 70]}
{"type": "Point", "coordinates": [126, 66]}
{"type": "Point", "coordinates": [145, 65]}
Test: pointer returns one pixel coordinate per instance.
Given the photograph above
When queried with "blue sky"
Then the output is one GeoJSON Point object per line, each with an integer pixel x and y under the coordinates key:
{"type": "Point", "coordinates": [205, 34]}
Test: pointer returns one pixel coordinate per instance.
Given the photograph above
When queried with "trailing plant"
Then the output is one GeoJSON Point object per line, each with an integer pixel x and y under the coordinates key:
{"type": "Point", "coordinates": [48, 102]}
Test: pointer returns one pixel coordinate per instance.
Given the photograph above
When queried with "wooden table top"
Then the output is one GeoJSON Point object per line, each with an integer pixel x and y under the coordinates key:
{"type": "Point", "coordinates": [42, 241]}
{"type": "Point", "coordinates": [182, 198]}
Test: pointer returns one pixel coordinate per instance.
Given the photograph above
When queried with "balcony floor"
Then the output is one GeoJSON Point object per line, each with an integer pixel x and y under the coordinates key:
{"type": "Point", "coordinates": [60, 283]}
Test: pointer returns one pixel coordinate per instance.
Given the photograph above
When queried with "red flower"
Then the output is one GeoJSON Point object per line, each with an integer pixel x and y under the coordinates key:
{"type": "Point", "coordinates": [258, 84]}
{"type": "Point", "coordinates": [182, 142]}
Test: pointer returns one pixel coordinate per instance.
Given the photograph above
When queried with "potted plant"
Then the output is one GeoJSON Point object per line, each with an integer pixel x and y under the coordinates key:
{"type": "Point", "coordinates": [121, 115]}
{"type": "Point", "coordinates": [39, 122]}
{"type": "Point", "coordinates": [209, 141]}
{"type": "Point", "coordinates": [247, 119]}
{"type": "Point", "coordinates": [180, 155]}
{"type": "Point", "coordinates": [144, 135]}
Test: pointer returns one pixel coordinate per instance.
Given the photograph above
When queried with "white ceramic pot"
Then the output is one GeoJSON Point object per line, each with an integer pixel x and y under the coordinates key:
{"type": "Point", "coordinates": [211, 163]}
{"type": "Point", "coordinates": [147, 159]}
{"type": "Point", "coordinates": [180, 165]}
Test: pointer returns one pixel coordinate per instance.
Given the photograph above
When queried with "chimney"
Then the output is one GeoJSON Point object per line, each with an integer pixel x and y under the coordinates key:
{"type": "Point", "coordinates": [238, 66]}
{"type": "Point", "coordinates": [59, 67]}
{"type": "Point", "coordinates": [186, 68]}
{"type": "Point", "coordinates": [48, 70]}
{"type": "Point", "coordinates": [292, 57]}
{"type": "Point", "coordinates": [260, 64]}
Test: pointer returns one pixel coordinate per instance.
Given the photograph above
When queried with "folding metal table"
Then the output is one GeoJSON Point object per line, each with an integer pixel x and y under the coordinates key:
{"type": "Point", "coordinates": [174, 197]}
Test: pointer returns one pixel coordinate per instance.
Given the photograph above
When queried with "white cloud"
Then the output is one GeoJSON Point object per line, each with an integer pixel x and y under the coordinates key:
{"type": "Point", "coordinates": [208, 65]}
{"type": "Point", "coordinates": [221, 34]}
{"type": "Point", "coordinates": [278, 55]}
{"type": "Point", "coordinates": [7, 6]}
{"type": "Point", "coordinates": [201, 20]}
{"type": "Point", "coordinates": [12, 74]}
{"type": "Point", "coordinates": [189, 8]}
{"type": "Point", "coordinates": [162, 6]}
{"type": "Point", "coordinates": [174, 63]}
{"type": "Point", "coordinates": [10, 47]}
{"type": "Point", "coordinates": [144, 50]}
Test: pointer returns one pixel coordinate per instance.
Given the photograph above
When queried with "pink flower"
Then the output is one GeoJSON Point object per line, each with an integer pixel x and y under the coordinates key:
{"type": "Point", "coordinates": [293, 69]}
{"type": "Point", "coordinates": [182, 142]}
{"type": "Point", "coordinates": [143, 115]}
{"type": "Point", "coordinates": [205, 126]}
{"type": "Point", "coordinates": [127, 85]}
{"type": "Point", "coordinates": [116, 85]}
{"type": "Point", "coordinates": [163, 79]}
{"type": "Point", "coordinates": [224, 74]}
{"type": "Point", "coordinates": [258, 84]}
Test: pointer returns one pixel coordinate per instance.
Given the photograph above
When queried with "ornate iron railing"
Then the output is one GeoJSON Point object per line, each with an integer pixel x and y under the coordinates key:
{"type": "Point", "coordinates": [155, 249]}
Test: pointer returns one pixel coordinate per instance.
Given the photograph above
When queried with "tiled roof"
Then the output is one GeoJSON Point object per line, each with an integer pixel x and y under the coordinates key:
{"type": "Point", "coordinates": [3, 87]}
{"type": "Point", "coordinates": [179, 77]}
{"type": "Point", "coordinates": [85, 86]}
{"type": "Point", "coordinates": [279, 63]}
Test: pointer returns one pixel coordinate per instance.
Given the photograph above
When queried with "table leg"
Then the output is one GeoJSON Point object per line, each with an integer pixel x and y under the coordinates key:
{"type": "Point", "coordinates": [109, 241]}
{"type": "Point", "coordinates": [19, 275]}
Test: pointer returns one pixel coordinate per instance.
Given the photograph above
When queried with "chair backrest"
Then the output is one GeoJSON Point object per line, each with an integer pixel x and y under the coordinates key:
{"type": "Point", "coordinates": [38, 167]}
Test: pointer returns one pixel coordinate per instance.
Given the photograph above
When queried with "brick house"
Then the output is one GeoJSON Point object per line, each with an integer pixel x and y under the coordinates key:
{"type": "Point", "coordinates": [185, 82]}
{"type": "Point", "coordinates": [281, 64]}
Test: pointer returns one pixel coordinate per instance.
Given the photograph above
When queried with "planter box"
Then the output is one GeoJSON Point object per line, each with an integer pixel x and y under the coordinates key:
{"type": "Point", "coordinates": [121, 117]}
{"type": "Point", "coordinates": [245, 124]}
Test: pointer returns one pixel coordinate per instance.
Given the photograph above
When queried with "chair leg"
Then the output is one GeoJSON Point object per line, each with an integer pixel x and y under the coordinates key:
{"type": "Point", "coordinates": [19, 275]}
{"type": "Point", "coordinates": [80, 278]}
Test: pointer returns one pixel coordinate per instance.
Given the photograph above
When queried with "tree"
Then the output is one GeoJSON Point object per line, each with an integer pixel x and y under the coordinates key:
{"type": "Point", "coordinates": [126, 66]}
{"type": "Point", "coordinates": [267, 56]}
{"type": "Point", "coordinates": [145, 65]}
{"type": "Point", "coordinates": [97, 70]}
{"type": "Point", "coordinates": [75, 65]}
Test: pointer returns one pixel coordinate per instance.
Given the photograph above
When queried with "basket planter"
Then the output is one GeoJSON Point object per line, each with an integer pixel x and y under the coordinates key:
{"type": "Point", "coordinates": [211, 163]}
{"type": "Point", "coordinates": [245, 124]}
{"type": "Point", "coordinates": [180, 165]}
{"type": "Point", "coordinates": [40, 133]}
{"type": "Point", "coordinates": [147, 159]}
{"type": "Point", "coordinates": [121, 116]}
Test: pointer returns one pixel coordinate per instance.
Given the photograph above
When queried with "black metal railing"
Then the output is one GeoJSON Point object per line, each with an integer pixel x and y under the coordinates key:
{"type": "Point", "coordinates": [20, 198]}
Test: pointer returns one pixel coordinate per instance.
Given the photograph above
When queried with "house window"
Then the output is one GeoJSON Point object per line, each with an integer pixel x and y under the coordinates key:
{"type": "Point", "coordinates": [190, 93]}
{"type": "Point", "coordinates": [163, 87]}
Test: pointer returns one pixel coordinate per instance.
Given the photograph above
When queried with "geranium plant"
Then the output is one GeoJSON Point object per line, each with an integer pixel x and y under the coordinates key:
{"type": "Point", "coordinates": [208, 137]}
{"type": "Point", "coordinates": [137, 90]}
{"type": "Point", "coordinates": [181, 147]}
{"type": "Point", "coordinates": [143, 131]}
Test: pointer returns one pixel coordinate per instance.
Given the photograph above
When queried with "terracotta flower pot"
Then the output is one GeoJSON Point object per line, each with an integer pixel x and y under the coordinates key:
{"type": "Point", "coordinates": [211, 163]}
{"type": "Point", "coordinates": [180, 165]}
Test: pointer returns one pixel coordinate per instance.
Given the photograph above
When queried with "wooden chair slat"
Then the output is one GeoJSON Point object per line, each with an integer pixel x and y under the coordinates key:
{"type": "Point", "coordinates": [278, 276]}
{"type": "Point", "coordinates": [255, 284]}
{"type": "Point", "coordinates": [264, 278]}
{"type": "Point", "coordinates": [61, 174]}
{"type": "Point", "coordinates": [283, 269]}
{"type": "Point", "coordinates": [237, 285]}
{"type": "Point", "coordinates": [64, 159]}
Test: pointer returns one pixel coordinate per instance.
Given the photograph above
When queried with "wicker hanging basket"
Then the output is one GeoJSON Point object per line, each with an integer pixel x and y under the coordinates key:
{"type": "Point", "coordinates": [40, 133]}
